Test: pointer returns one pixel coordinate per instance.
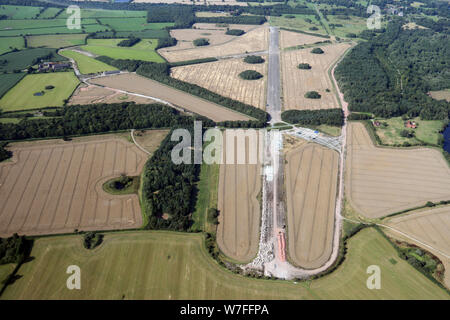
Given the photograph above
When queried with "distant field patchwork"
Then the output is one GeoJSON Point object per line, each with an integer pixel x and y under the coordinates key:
{"type": "Point", "coordinates": [87, 64]}
{"type": "Point", "coordinates": [56, 40]}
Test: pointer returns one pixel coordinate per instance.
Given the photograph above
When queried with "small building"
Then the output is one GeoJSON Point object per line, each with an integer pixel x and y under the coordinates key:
{"type": "Point", "coordinates": [60, 66]}
{"type": "Point", "coordinates": [107, 73]}
{"type": "Point", "coordinates": [410, 124]}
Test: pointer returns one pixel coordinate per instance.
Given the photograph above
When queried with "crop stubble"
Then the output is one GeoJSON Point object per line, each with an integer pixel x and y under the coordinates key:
{"type": "Point", "coordinates": [296, 82]}
{"type": "Point", "coordinates": [56, 187]}
{"type": "Point", "coordinates": [223, 78]}
{"type": "Point", "coordinates": [311, 183]}
{"type": "Point", "coordinates": [381, 181]}
{"type": "Point", "coordinates": [238, 229]}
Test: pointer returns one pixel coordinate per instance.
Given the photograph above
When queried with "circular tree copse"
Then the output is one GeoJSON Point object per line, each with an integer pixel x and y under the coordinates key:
{"type": "Point", "coordinates": [250, 75]}
{"type": "Point", "coordinates": [305, 66]}
{"type": "Point", "coordinates": [235, 32]}
{"type": "Point", "coordinates": [201, 42]}
{"type": "Point", "coordinates": [312, 95]}
{"type": "Point", "coordinates": [317, 51]}
{"type": "Point", "coordinates": [253, 59]}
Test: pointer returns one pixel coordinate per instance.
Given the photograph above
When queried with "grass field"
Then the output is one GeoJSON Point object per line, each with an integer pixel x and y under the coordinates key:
{"type": "Point", "coordinates": [207, 196]}
{"type": "Point", "coordinates": [352, 25]}
{"type": "Point", "coordinates": [21, 96]}
{"type": "Point", "coordinates": [87, 64]}
{"type": "Point", "coordinates": [143, 50]}
{"type": "Point", "coordinates": [9, 43]}
{"type": "Point", "coordinates": [5, 270]}
{"type": "Point", "coordinates": [427, 131]}
{"type": "Point", "coordinates": [91, 13]}
{"type": "Point", "coordinates": [19, 12]}
{"type": "Point", "coordinates": [7, 81]}
{"type": "Point", "coordinates": [167, 265]}
{"type": "Point", "coordinates": [22, 59]}
{"type": "Point", "coordinates": [132, 24]}
{"type": "Point", "coordinates": [56, 40]}
{"type": "Point", "coordinates": [300, 22]}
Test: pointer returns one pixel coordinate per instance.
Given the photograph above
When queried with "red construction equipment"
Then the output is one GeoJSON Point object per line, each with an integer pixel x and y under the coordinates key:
{"type": "Point", "coordinates": [281, 246]}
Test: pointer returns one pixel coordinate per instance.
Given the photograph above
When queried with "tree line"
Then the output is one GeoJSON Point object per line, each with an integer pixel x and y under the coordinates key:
{"type": "Point", "coordinates": [97, 118]}
{"type": "Point", "coordinates": [331, 117]}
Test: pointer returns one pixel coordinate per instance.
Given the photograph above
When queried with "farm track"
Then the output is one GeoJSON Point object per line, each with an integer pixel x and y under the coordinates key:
{"type": "Point", "coordinates": [56, 188]}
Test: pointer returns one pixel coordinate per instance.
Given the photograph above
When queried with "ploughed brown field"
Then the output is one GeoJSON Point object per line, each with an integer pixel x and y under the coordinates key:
{"type": "Point", "coordinates": [223, 78]}
{"type": "Point", "coordinates": [56, 187]}
{"type": "Point", "coordinates": [296, 82]}
{"type": "Point", "coordinates": [291, 39]}
{"type": "Point", "coordinates": [311, 183]}
{"type": "Point", "coordinates": [431, 227]}
{"type": "Point", "coordinates": [381, 181]}
{"type": "Point", "coordinates": [93, 94]}
{"type": "Point", "coordinates": [136, 84]}
{"type": "Point", "coordinates": [238, 204]}
{"type": "Point", "coordinates": [252, 41]}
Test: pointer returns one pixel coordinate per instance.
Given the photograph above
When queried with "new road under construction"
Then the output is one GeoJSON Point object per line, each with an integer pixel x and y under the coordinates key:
{"type": "Point", "coordinates": [289, 246]}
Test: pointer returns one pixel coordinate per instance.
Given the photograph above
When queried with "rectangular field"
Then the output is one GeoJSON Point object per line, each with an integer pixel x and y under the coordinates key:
{"type": "Point", "coordinates": [144, 86]}
{"type": "Point", "coordinates": [291, 39]}
{"type": "Point", "coordinates": [300, 21]}
{"type": "Point", "coordinates": [8, 44]}
{"type": "Point", "coordinates": [223, 78]}
{"type": "Point", "coordinates": [169, 265]}
{"type": "Point", "coordinates": [9, 80]}
{"type": "Point", "coordinates": [252, 41]}
{"type": "Point", "coordinates": [240, 212]}
{"type": "Point", "coordinates": [381, 181]}
{"type": "Point", "coordinates": [19, 12]}
{"type": "Point", "coordinates": [296, 82]}
{"type": "Point", "coordinates": [56, 187]}
{"type": "Point", "coordinates": [143, 50]}
{"type": "Point", "coordinates": [23, 59]}
{"type": "Point", "coordinates": [56, 40]}
{"type": "Point", "coordinates": [311, 183]}
{"type": "Point", "coordinates": [92, 94]}
{"type": "Point", "coordinates": [21, 96]}
{"type": "Point", "coordinates": [87, 64]}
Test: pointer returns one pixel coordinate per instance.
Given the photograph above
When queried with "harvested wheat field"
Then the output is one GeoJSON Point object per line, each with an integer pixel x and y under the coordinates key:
{"type": "Point", "coordinates": [238, 204]}
{"type": "Point", "coordinates": [215, 35]}
{"type": "Point", "coordinates": [252, 41]}
{"type": "Point", "coordinates": [431, 227]}
{"type": "Point", "coordinates": [291, 39]}
{"type": "Point", "coordinates": [56, 187]}
{"type": "Point", "coordinates": [134, 83]}
{"type": "Point", "coordinates": [92, 94]}
{"type": "Point", "coordinates": [296, 82]}
{"type": "Point", "coordinates": [223, 78]}
{"type": "Point", "coordinates": [311, 183]}
{"type": "Point", "coordinates": [381, 181]}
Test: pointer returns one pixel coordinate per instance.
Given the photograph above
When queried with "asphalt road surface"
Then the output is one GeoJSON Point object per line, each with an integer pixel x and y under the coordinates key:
{"type": "Point", "coordinates": [273, 82]}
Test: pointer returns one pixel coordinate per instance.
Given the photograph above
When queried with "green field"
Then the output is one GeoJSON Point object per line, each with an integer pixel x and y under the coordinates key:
{"type": "Point", "coordinates": [87, 64]}
{"type": "Point", "coordinates": [5, 271]}
{"type": "Point", "coordinates": [352, 25]}
{"type": "Point", "coordinates": [207, 196]}
{"type": "Point", "coordinates": [132, 24]}
{"type": "Point", "coordinates": [168, 265]}
{"type": "Point", "coordinates": [23, 59]}
{"type": "Point", "coordinates": [92, 13]}
{"type": "Point", "coordinates": [49, 13]}
{"type": "Point", "coordinates": [21, 96]}
{"type": "Point", "coordinates": [19, 12]}
{"type": "Point", "coordinates": [9, 80]}
{"type": "Point", "coordinates": [143, 50]}
{"type": "Point", "coordinates": [56, 40]}
{"type": "Point", "coordinates": [298, 23]}
{"type": "Point", "coordinates": [8, 44]}
{"type": "Point", "coordinates": [427, 131]}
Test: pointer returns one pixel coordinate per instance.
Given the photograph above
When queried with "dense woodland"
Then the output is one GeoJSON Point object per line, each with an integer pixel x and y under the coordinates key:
{"type": "Point", "coordinates": [4, 153]}
{"type": "Point", "coordinates": [97, 118]}
{"type": "Point", "coordinates": [391, 74]}
{"type": "Point", "coordinates": [331, 117]}
{"type": "Point", "coordinates": [169, 190]}
{"type": "Point", "coordinates": [161, 72]}
{"type": "Point", "coordinates": [14, 249]}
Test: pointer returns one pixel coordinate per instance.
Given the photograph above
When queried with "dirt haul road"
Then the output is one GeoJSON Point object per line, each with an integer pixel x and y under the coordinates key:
{"type": "Point", "coordinates": [134, 83]}
{"type": "Point", "coordinates": [56, 187]}
{"type": "Point", "coordinates": [381, 181]}
{"type": "Point", "coordinates": [239, 186]}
